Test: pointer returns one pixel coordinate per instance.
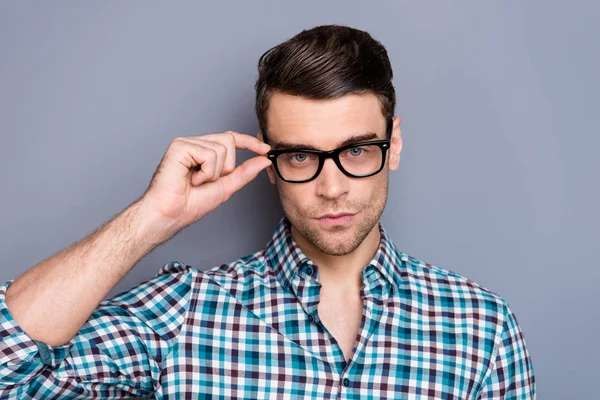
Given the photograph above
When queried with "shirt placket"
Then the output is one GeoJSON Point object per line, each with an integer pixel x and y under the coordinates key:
{"type": "Point", "coordinates": [308, 291]}
{"type": "Point", "coordinates": [374, 293]}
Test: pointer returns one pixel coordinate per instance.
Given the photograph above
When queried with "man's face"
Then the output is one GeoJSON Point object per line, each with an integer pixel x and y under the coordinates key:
{"type": "Point", "coordinates": [324, 125]}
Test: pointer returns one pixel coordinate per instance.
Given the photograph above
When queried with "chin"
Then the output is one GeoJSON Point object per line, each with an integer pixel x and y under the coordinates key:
{"type": "Point", "coordinates": [335, 240]}
{"type": "Point", "coordinates": [339, 248]}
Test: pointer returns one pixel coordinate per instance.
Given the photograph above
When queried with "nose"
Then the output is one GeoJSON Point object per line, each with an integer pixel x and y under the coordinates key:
{"type": "Point", "coordinates": [331, 182]}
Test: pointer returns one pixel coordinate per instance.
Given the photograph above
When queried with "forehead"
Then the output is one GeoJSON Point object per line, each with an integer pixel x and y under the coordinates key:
{"type": "Point", "coordinates": [323, 123]}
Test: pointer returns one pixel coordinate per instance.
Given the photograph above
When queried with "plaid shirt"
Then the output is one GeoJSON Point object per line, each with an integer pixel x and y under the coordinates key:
{"type": "Point", "coordinates": [251, 329]}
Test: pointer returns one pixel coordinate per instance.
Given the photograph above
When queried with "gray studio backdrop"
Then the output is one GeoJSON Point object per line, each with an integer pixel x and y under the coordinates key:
{"type": "Point", "coordinates": [498, 174]}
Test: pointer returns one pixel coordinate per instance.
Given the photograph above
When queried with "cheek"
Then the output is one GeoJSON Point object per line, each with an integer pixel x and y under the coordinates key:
{"type": "Point", "coordinates": [368, 188]}
{"type": "Point", "coordinates": [293, 197]}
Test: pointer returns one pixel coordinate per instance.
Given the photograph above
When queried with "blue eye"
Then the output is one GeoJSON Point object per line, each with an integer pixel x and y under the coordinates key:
{"type": "Point", "coordinates": [299, 157]}
{"type": "Point", "coordinates": [356, 151]}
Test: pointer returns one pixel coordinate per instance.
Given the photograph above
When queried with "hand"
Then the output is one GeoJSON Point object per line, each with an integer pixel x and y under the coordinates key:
{"type": "Point", "coordinates": [198, 173]}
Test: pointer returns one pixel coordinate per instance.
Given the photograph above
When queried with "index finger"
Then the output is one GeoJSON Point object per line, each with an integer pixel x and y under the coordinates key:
{"type": "Point", "coordinates": [247, 142]}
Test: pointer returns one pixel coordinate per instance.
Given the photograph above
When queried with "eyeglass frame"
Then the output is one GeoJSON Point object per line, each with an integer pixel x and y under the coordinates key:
{"type": "Point", "coordinates": [323, 155]}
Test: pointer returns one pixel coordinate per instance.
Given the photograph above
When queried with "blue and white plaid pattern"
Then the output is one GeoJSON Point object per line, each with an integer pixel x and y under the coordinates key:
{"type": "Point", "coordinates": [250, 329]}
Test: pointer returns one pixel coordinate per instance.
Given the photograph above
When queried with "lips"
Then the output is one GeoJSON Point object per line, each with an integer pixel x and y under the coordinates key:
{"type": "Point", "coordinates": [335, 215]}
{"type": "Point", "coordinates": [339, 219]}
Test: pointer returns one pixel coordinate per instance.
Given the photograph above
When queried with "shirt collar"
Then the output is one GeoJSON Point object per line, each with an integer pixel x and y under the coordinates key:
{"type": "Point", "coordinates": [285, 257]}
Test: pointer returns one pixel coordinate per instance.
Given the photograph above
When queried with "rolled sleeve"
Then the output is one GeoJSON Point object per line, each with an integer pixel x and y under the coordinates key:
{"type": "Point", "coordinates": [116, 353]}
{"type": "Point", "coordinates": [19, 352]}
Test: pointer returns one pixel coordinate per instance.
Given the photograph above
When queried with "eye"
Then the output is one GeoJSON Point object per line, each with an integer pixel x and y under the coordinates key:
{"type": "Point", "coordinates": [298, 157]}
{"type": "Point", "coordinates": [356, 151]}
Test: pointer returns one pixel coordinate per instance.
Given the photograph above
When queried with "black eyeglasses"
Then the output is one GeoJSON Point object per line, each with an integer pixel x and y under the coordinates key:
{"type": "Point", "coordinates": [358, 160]}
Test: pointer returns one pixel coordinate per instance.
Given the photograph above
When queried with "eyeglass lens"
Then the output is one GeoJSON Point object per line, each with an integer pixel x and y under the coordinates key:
{"type": "Point", "coordinates": [358, 161]}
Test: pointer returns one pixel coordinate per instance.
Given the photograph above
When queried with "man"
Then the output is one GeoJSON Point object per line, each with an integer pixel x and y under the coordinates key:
{"type": "Point", "coordinates": [329, 309]}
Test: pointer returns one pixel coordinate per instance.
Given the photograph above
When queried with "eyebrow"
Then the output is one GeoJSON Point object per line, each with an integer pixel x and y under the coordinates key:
{"type": "Point", "coordinates": [347, 142]}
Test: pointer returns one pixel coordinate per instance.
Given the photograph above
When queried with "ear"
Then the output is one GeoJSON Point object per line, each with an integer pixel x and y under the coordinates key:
{"type": "Point", "coordinates": [270, 170]}
{"type": "Point", "coordinates": [396, 145]}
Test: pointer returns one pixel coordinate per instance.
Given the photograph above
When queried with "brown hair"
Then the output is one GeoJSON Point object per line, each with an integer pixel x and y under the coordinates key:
{"type": "Point", "coordinates": [325, 62]}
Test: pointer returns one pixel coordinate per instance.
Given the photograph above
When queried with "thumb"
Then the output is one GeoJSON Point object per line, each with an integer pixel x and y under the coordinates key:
{"type": "Point", "coordinates": [243, 174]}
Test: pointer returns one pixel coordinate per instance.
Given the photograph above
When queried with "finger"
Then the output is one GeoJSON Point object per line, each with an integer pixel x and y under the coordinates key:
{"type": "Point", "coordinates": [186, 156]}
{"type": "Point", "coordinates": [219, 149]}
{"type": "Point", "coordinates": [206, 164]}
{"type": "Point", "coordinates": [243, 174]}
{"type": "Point", "coordinates": [248, 142]}
{"type": "Point", "coordinates": [221, 152]}
{"type": "Point", "coordinates": [226, 140]}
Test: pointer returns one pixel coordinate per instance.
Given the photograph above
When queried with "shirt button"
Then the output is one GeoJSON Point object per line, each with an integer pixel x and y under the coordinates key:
{"type": "Point", "coordinates": [346, 382]}
{"type": "Point", "coordinates": [311, 317]}
{"type": "Point", "coordinates": [309, 271]}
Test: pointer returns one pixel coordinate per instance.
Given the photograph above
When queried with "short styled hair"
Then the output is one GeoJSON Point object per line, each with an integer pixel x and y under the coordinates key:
{"type": "Point", "coordinates": [325, 62]}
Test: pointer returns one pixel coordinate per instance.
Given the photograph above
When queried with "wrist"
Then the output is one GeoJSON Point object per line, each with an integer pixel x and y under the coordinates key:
{"type": "Point", "coordinates": [151, 227]}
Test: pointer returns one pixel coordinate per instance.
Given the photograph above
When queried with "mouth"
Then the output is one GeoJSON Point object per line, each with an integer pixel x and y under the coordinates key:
{"type": "Point", "coordinates": [336, 219]}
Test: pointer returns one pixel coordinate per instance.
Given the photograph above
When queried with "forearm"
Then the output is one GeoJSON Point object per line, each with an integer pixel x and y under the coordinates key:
{"type": "Point", "coordinates": [52, 300]}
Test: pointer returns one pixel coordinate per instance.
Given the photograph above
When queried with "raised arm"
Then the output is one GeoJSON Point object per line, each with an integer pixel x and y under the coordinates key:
{"type": "Point", "coordinates": [49, 304]}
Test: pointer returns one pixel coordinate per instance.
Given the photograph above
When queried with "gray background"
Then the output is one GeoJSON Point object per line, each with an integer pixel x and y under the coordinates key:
{"type": "Point", "coordinates": [498, 174]}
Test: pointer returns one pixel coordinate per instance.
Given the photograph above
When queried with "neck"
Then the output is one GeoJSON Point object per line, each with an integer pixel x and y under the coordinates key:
{"type": "Point", "coordinates": [341, 272]}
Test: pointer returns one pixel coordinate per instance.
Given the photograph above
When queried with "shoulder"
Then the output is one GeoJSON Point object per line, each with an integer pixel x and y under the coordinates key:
{"type": "Point", "coordinates": [430, 284]}
{"type": "Point", "coordinates": [239, 278]}
{"type": "Point", "coordinates": [244, 271]}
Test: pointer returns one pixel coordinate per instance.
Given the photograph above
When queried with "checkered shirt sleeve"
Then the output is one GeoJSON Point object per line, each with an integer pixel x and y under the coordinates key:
{"type": "Point", "coordinates": [116, 354]}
